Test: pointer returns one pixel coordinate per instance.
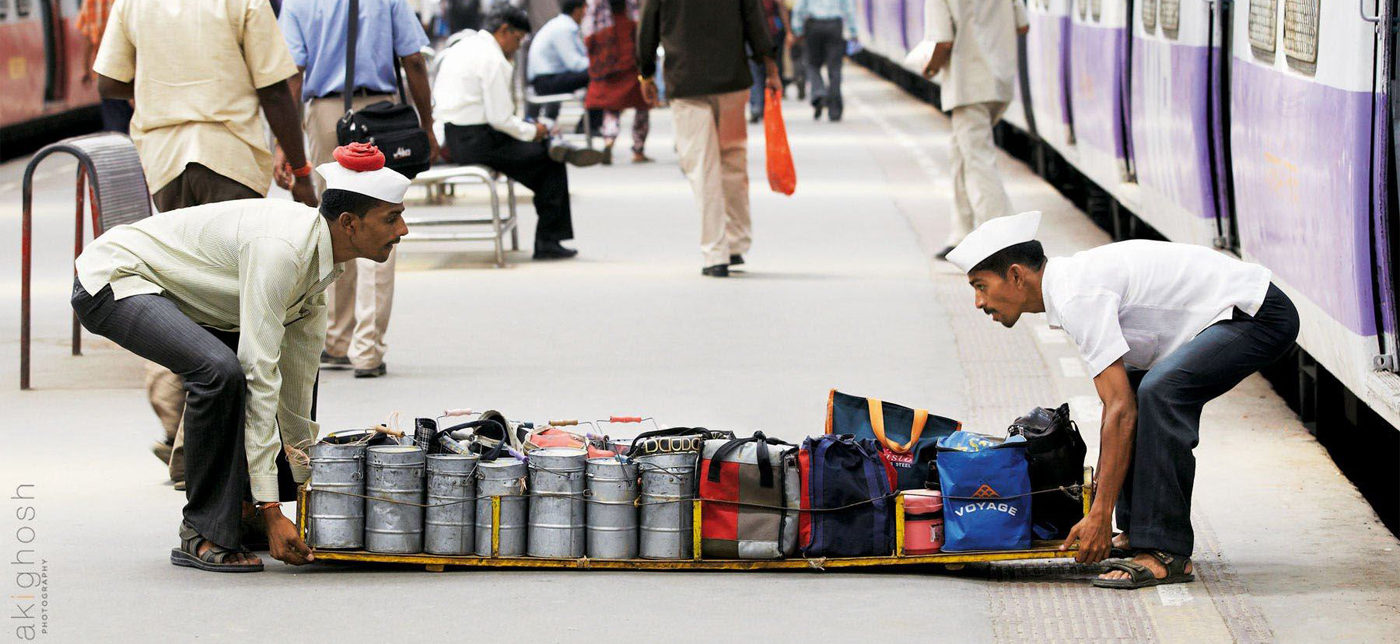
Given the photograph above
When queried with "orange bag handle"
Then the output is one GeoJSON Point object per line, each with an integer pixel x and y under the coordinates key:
{"type": "Point", "coordinates": [877, 423]}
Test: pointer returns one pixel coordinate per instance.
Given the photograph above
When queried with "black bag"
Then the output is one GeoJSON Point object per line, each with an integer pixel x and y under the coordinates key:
{"type": "Point", "coordinates": [391, 127]}
{"type": "Point", "coordinates": [1055, 454]}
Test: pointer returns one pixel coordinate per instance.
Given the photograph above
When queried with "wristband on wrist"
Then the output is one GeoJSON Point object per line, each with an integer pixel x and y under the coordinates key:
{"type": "Point", "coordinates": [303, 171]}
{"type": "Point", "coordinates": [644, 79]}
{"type": "Point", "coordinates": [270, 504]}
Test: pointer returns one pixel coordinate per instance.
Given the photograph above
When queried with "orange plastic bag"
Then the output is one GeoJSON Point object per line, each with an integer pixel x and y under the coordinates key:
{"type": "Point", "coordinates": [781, 175]}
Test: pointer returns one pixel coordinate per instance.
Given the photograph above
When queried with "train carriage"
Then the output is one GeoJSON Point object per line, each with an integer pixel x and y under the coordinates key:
{"type": "Point", "coordinates": [43, 57]}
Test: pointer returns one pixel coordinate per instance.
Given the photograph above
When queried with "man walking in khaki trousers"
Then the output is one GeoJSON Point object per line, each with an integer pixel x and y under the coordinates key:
{"type": "Point", "coordinates": [197, 125]}
{"type": "Point", "coordinates": [317, 31]}
{"type": "Point", "coordinates": [707, 82]}
{"type": "Point", "coordinates": [976, 51]}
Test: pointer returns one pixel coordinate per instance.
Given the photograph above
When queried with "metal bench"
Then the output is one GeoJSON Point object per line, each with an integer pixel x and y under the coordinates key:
{"type": "Point", "coordinates": [441, 183]}
{"type": "Point", "coordinates": [110, 177]}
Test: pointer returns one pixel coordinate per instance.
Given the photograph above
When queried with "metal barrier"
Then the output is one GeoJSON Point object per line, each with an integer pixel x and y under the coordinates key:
{"type": "Point", "coordinates": [117, 193]}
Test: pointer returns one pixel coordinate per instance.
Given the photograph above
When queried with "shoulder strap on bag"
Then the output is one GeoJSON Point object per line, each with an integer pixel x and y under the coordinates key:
{"type": "Point", "coordinates": [877, 423]}
{"type": "Point", "coordinates": [353, 27]}
{"type": "Point", "coordinates": [393, 53]}
{"type": "Point", "coordinates": [765, 466]}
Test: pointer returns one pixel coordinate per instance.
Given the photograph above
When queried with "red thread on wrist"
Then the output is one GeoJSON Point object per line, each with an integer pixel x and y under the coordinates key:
{"type": "Point", "coordinates": [303, 171]}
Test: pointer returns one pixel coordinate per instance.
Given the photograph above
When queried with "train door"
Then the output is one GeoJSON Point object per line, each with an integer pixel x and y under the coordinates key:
{"type": "Point", "coordinates": [55, 50]}
{"type": "Point", "coordinates": [1385, 180]}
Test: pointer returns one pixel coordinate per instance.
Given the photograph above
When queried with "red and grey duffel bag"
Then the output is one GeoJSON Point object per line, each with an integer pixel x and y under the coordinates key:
{"type": "Point", "coordinates": [750, 488]}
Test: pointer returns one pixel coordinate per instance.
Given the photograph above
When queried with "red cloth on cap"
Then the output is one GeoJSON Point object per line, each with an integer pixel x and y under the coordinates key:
{"type": "Point", "coordinates": [360, 157]}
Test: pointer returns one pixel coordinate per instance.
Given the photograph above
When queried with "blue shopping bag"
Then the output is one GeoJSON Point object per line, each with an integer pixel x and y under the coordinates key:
{"type": "Point", "coordinates": [986, 492]}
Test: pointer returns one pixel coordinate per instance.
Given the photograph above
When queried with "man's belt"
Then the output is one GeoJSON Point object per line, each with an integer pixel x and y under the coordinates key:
{"type": "Point", "coordinates": [359, 91]}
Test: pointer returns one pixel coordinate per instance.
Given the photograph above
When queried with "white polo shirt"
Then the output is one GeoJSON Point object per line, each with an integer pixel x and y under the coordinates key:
{"type": "Point", "coordinates": [1141, 300]}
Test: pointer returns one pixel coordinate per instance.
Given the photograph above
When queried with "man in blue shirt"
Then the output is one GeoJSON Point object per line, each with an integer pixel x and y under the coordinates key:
{"type": "Point", "coordinates": [825, 26]}
{"type": "Point", "coordinates": [317, 33]}
{"type": "Point", "coordinates": [558, 61]}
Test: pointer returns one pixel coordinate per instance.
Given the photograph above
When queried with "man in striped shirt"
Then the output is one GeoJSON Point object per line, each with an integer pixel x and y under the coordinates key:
{"type": "Point", "coordinates": [231, 297]}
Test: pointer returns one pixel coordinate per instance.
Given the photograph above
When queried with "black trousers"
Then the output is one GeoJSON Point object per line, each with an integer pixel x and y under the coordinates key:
{"type": "Point", "coordinates": [216, 465]}
{"type": "Point", "coordinates": [528, 163]}
{"type": "Point", "coordinates": [1154, 507]}
{"type": "Point", "coordinates": [826, 47]}
{"type": "Point", "coordinates": [562, 83]}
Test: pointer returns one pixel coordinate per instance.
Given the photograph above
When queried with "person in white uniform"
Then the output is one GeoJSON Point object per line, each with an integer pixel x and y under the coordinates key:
{"type": "Point", "coordinates": [231, 296]}
{"type": "Point", "coordinates": [973, 44]}
{"type": "Point", "coordinates": [1164, 328]}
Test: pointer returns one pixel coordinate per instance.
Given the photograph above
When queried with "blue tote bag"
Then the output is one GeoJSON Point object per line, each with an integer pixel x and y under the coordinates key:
{"type": "Point", "coordinates": [986, 493]}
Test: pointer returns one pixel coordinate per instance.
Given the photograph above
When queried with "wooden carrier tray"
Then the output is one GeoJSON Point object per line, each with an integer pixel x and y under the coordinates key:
{"type": "Point", "coordinates": [438, 563]}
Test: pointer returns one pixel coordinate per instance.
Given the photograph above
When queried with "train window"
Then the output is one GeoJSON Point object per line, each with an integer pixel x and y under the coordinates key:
{"type": "Point", "coordinates": [4, 9]}
{"type": "Point", "coordinates": [1097, 9]}
{"type": "Point", "coordinates": [1149, 15]}
{"type": "Point", "coordinates": [1300, 30]}
{"type": "Point", "coordinates": [23, 7]}
{"type": "Point", "coordinates": [1263, 15]}
{"type": "Point", "coordinates": [1169, 16]}
{"type": "Point", "coordinates": [1083, 7]}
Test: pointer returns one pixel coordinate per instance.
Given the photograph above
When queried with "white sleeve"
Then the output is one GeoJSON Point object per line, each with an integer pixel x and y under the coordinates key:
{"type": "Point", "coordinates": [938, 21]}
{"type": "Point", "coordinates": [1092, 320]}
{"type": "Point", "coordinates": [500, 110]}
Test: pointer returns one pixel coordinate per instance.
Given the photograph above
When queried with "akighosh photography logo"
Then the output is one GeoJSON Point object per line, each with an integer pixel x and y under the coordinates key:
{"type": "Point", "coordinates": [28, 610]}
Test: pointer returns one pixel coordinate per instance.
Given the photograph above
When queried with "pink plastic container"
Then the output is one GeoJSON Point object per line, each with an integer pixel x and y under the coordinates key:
{"type": "Point", "coordinates": [923, 522]}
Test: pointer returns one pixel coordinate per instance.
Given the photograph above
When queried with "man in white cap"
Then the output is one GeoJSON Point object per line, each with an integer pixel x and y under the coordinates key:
{"type": "Point", "coordinates": [231, 297]}
{"type": "Point", "coordinates": [1165, 328]}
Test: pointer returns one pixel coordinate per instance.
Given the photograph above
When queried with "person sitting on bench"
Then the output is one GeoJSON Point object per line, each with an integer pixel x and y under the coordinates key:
{"type": "Point", "coordinates": [474, 104]}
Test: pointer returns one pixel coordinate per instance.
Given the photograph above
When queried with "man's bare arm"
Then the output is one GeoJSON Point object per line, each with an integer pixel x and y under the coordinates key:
{"type": "Point", "coordinates": [415, 69]}
{"type": "Point", "coordinates": [282, 116]}
{"type": "Point", "coordinates": [1094, 532]}
{"type": "Point", "coordinates": [113, 88]}
{"type": "Point", "coordinates": [941, 53]}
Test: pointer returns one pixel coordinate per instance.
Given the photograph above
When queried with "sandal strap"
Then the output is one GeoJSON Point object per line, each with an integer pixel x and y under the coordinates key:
{"type": "Point", "coordinates": [1135, 570]}
{"type": "Point", "coordinates": [191, 541]}
{"type": "Point", "coordinates": [1175, 564]}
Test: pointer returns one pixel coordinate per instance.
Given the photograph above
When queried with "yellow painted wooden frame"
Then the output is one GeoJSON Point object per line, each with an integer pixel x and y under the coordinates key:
{"type": "Point", "coordinates": [438, 563]}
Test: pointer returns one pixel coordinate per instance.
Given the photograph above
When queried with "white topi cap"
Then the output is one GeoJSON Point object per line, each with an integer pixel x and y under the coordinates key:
{"type": "Point", "coordinates": [993, 236]}
{"type": "Point", "coordinates": [360, 168]}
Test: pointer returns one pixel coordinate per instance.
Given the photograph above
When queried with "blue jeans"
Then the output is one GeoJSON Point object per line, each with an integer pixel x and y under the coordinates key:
{"type": "Point", "coordinates": [1154, 506]}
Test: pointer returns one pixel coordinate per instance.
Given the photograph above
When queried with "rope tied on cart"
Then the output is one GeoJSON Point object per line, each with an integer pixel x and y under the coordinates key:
{"type": "Point", "coordinates": [1073, 491]}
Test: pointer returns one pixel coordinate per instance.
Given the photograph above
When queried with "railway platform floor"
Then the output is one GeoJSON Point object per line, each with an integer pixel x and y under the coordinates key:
{"type": "Point", "coordinates": [840, 290]}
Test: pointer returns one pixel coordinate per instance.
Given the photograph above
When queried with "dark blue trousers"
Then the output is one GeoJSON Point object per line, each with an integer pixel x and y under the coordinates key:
{"type": "Point", "coordinates": [1154, 507]}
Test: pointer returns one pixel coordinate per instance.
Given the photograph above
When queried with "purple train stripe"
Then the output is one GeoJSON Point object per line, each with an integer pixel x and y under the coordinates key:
{"type": "Point", "coordinates": [1096, 72]}
{"type": "Point", "coordinates": [1169, 123]}
{"type": "Point", "coordinates": [1301, 162]}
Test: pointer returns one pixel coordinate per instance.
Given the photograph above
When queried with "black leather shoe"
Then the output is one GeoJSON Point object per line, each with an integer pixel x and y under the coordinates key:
{"type": "Point", "coordinates": [817, 109]}
{"type": "Point", "coordinates": [553, 250]}
{"type": "Point", "coordinates": [563, 152]}
{"type": "Point", "coordinates": [755, 117]}
{"type": "Point", "coordinates": [329, 361]}
{"type": "Point", "coordinates": [943, 254]}
{"type": "Point", "coordinates": [736, 260]}
{"type": "Point", "coordinates": [718, 270]}
{"type": "Point", "coordinates": [372, 372]}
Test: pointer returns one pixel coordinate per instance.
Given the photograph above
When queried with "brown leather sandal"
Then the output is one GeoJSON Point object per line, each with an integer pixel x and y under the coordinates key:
{"type": "Point", "coordinates": [216, 559]}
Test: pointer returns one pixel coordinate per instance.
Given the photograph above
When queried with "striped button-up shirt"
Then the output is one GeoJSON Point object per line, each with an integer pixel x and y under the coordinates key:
{"type": "Point", "coordinates": [256, 266]}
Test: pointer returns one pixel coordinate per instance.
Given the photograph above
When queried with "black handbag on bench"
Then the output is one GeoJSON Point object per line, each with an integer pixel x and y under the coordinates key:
{"type": "Point", "coordinates": [392, 127]}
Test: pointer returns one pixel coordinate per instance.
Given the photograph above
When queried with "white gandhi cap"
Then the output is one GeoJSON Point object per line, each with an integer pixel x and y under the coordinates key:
{"type": "Point", "coordinates": [382, 184]}
{"type": "Point", "coordinates": [993, 236]}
